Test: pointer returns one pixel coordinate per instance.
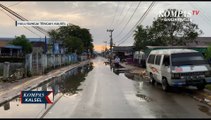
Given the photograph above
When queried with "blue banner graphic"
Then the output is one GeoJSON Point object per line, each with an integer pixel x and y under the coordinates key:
{"type": "Point", "coordinates": [36, 97]}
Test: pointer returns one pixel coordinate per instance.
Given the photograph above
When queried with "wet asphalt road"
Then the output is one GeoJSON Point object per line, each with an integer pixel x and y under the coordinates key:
{"type": "Point", "coordinates": [104, 94]}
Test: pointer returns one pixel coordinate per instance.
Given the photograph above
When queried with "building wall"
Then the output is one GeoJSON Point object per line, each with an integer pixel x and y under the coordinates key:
{"type": "Point", "coordinates": [3, 43]}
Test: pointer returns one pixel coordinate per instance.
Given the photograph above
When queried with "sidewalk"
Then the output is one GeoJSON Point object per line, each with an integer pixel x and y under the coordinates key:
{"type": "Point", "coordinates": [10, 90]}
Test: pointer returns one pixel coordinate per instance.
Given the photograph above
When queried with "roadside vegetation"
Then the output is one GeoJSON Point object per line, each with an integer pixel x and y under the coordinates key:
{"type": "Point", "coordinates": [163, 33]}
{"type": "Point", "coordinates": [23, 42]}
{"type": "Point", "coordinates": [74, 38]}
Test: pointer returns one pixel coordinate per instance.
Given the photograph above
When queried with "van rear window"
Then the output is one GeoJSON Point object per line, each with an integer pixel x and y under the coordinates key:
{"type": "Point", "coordinates": [194, 58]}
{"type": "Point", "coordinates": [151, 59]}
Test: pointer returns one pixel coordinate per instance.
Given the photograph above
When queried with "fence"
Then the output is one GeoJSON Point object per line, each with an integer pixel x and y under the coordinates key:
{"type": "Point", "coordinates": [35, 64]}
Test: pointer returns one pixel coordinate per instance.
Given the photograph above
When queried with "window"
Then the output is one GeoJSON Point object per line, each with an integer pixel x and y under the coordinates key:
{"type": "Point", "coordinates": [151, 59]}
{"type": "Point", "coordinates": [194, 58]}
{"type": "Point", "coordinates": [157, 60]}
{"type": "Point", "coordinates": [166, 60]}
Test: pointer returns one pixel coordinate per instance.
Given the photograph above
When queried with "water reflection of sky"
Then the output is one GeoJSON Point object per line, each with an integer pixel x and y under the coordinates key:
{"type": "Point", "coordinates": [65, 84]}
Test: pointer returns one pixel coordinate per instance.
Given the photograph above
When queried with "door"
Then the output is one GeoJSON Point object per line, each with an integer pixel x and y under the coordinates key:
{"type": "Point", "coordinates": [158, 75]}
{"type": "Point", "coordinates": [165, 67]}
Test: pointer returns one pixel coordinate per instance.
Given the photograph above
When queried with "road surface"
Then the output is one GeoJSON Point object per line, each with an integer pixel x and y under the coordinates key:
{"type": "Point", "coordinates": [108, 95]}
{"type": "Point", "coordinates": [95, 91]}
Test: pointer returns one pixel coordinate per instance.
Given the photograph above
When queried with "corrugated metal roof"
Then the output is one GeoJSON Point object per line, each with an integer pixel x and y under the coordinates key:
{"type": "Point", "coordinates": [123, 48]}
{"type": "Point", "coordinates": [153, 47]}
{"type": "Point", "coordinates": [12, 47]}
{"type": "Point", "coordinates": [30, 39]}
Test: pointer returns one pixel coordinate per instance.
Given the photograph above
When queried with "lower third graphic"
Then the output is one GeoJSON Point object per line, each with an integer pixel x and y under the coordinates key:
{"type": "Point", "coordinates": [36, 97]}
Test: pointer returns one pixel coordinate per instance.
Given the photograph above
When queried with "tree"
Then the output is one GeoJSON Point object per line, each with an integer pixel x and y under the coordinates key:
{"type": "Point", "coordinates": [175, 32]}
{"type": "Point", "coordinates": [141, 38]}
{"type": "Point", "coordinates": [164, 32]}
{"type": "Point", "coordinates": [23, 42]}
{"type": "Point", "coordinates": [73, 44]}
{"type": "Point", "coordinates": [76, 31]}
{"type": "Point", "coordinates": [69, 34]}
{"type": "Point", "coordinates": [54, 35]}
{"type": "Point", "coordinates": [86, 38]}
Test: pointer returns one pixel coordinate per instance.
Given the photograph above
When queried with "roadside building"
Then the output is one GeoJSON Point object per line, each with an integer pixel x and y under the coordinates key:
{"type": "Point", "coordinates": [201, 49]}
{"type": "Point", "coordinates": [125, 53]}
{"type": "Point", "coordinates": [200, 45]}
{"type": "Point", "coordinates": [9, 52]}
{"type": "Point", "coordinates": [201, 41]}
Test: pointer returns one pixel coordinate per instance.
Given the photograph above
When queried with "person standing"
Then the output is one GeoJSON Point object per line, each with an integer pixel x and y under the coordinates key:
{"type": "Point", "coordinates": [117, 61]}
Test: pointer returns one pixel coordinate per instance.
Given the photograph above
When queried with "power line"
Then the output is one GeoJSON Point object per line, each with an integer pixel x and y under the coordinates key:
{"type": "Point", "coordinates": [114, 16]}
{"type": "Point", "coordinates": [120, 14]}
{"type": "Point", "coordinates": [23, 26]}
{"type": "Point", "coordinates": [124, 16]}
{"type": "Point", "coordinates": [23, 19]}
{"type": "Point", "coordinates": [138, 22]}
{"type": "Point", "coordinates": [196, 7]}
{"type": "Point", "coordinates": [129, 20]}
{"type": "Point", "coordinates": [14, 4]}
{"type": "Point", "coordinates": [122, 10]}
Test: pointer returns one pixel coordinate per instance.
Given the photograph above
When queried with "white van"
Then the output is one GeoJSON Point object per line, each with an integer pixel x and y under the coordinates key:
{"type": "Point", "coordinates": [178, 67]}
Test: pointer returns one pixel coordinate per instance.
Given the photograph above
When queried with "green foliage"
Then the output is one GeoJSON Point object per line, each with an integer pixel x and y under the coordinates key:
{"type": "Point", "coordinates": [54, 35]}
{"type": "Point", "coordinates": [24, 42]}
{"type": "Point", "coordinates": [166, 33]}
{"type": "Point", "coordinates": [71, 36]}
{"type": "Point", "coordinates": [74, 44]}
{"type": "Point", "coordinates": [208, 52]}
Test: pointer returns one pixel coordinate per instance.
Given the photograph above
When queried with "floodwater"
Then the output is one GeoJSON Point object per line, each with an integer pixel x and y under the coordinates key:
{"type": "Point", "coordinates": [64, 85]}
{"type": "Point", "coordinates": [113, 93]}
{"type": "Point", "coordinates": [99, 91]}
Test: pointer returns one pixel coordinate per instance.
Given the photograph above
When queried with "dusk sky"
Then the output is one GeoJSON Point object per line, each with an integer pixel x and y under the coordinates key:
{"type": "Point", "coordinates": [98, 17]}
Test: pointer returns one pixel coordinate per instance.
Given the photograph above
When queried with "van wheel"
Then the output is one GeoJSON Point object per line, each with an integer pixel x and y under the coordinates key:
{"type": "Point", "coordinates": [165, 84]}
{"type": "Point", "coordinates": [152, 80]}
{"type": "Point", "coordinates": [200, 87]}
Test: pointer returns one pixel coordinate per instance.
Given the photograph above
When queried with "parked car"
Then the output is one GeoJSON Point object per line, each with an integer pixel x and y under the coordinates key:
{"type": "Point", "coordinates": [178, 67]}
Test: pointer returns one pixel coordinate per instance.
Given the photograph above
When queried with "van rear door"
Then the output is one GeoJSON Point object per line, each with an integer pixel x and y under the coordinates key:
{"type": "Point", "coordinates": [165, 67]}
{"type": "Point", "coordinates": [157, 63]}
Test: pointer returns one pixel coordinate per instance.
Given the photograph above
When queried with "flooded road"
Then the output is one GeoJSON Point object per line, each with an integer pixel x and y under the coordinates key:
{"type": "Point", "coordinates": [98, 91]}
{"type": "Point", "coordinates": [108, 94]}
{"type": "Point", "coordinates": [64, 85]}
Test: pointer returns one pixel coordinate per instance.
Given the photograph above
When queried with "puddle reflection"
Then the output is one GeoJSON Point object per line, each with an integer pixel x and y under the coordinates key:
{"type": "Point", "coordinates": [204, 109]}
{"type": "Point", "coordinates": [67, 84]}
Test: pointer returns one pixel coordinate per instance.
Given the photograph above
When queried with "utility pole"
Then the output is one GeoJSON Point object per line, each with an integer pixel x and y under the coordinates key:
{"type": "Point", "coordinates": [111, 43]}
{"type": "Point", "coordinates": [105, 45]}
{"type": "Point", "coordinates": [111, 40]}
